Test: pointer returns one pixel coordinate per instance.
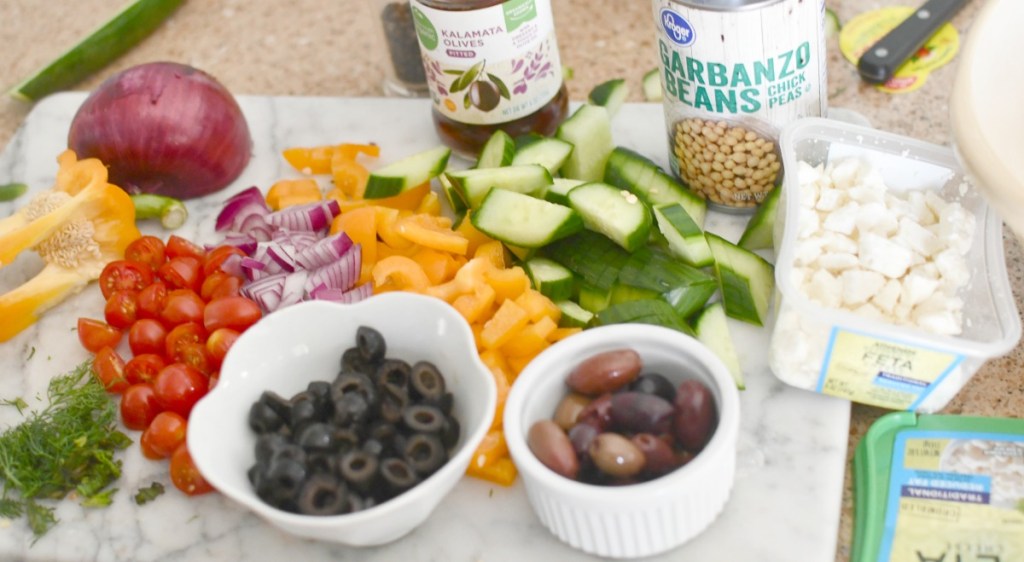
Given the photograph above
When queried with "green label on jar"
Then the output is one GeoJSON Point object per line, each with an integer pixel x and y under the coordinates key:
{"type": "Point", "coordinates": [424, 30]}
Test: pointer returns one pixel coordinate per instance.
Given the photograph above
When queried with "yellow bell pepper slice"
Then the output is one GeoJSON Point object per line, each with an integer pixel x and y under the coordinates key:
{"type": "Point", "coordinates": [399, 273]}
{"type": "Point", "coordinates": [285, 193]}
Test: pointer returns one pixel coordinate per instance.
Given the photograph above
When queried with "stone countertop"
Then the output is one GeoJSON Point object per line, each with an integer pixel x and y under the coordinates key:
{"type": "Point", "coordinates": [333, 48]}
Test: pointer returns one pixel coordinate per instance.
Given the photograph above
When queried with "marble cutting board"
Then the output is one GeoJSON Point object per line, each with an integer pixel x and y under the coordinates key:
{"type": "Point", "coordinates": [792, 448]}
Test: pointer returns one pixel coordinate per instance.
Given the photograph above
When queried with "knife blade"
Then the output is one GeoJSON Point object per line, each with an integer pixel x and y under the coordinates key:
{"type": "Point", "coordinates": [880, 61]}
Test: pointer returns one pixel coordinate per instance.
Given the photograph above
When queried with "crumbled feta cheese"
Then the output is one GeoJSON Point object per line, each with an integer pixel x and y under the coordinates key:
{"type": "Point", "coordinates": [835, 261]}
{"type": "Point", "coordinates": [843, 219]}
{"type": "Point", "coordinates": [859, 285]}
{"type": "Point", "coordinates": [918, 238]}
{"type": "Point", "coordinates": [887, 297]}
{"type": "Point", "coordinates": [829, 199]}
{"type": "Point", "coordinates": [872, 217]}
{"type": "Point", "coordinates": [824, 288]}
{"type": "Point", "coordinates": [883, 255]}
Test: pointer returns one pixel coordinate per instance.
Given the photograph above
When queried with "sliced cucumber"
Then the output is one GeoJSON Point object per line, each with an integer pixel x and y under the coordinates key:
{"type": "Point", "coordinates": [591, 256]}
{"type": "Point", "coordinates": [551, 278]}
{"type": "Point", "coordinates": [589, 130]}
{"type": "Point", "coordinates": [573, 315]}
{"type": "Point", "coordinates": [650, 311]}
{"type": "Point", "coordinates": [625, 293]}
{"type": "Point", "coordinates": [497, 151]}
{"type": "Point", "coordinates": [610, 95]}
{"type": "Point", "coordinates": [629, 170]}
{"type": "Point", "coordinates": [594, 299]}
{"type": "Point", "coordinates": [745, 279]}
{"type": "Point", "coordinates": [758, 234]}
{"type": "Point", "coordinates": [522, 220]}
{"type": "Point", "coordinates": [407, 173]}
{"type": "Point", "coordinates": [684, 287]}
{"type": "Point", "coordinates": [617, 214]}
{"type": "Point", "coordinates": [558, 191]}
{"type": "Point", "coordinates": [521, 254]}
{"type": "Point", "coordinates": [129, 26]}
{"type": "Point", "coordinates": [684, 237]}
{"type": "Point", "coordinates": [546, 151]}
{"type": "Point", "coordinates": [475, 184]}
{"type": "Point", "coordinates": [712, 330]}
{"type": "Point", "coordinates": [453, 197]}
{"type": "Point", "coordinates": [652, 85]}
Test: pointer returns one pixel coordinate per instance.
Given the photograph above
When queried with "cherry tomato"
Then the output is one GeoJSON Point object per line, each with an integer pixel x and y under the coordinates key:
{"type": "Point", "coordinates": [108, 368]}
{"type": "Point", "coordinates": [185, 475]}
{"type": "Point", "coordinates": [94, 335]}
{"type": "Point", "coordinates": [214, 379]}
{"type": "Point", "coordinates": [216, 257]}
{"type": "Point", "coordinates": [182, 305]}
{"type": "Point", "coordinates": [219, 342]}
{"type": "Point", "coordinates": [196, 356]}
{"type": "Point", "coordinates": [146, 249]}
{"type": "Point", "coordinates": [143, 368]}
{"type": "Point", "coordinates": [180, 336]}
{"type": "Point", "coordinates": [220, 284]}
{"type": "Point", "coordinates": [147, 336]}
{"type": "Point", "coordinates": [182, 272]}
{"type": "Point", "coordinates": [237, 313]}
{"type": "Point", "coordinates": [178, 388]}
{"type": "Point", "coordinates": [124, 275]}
{"type": "Point", "coordinates": [178, 246]}
{"type": "Point", "coordinates": [151, 300]}
{"type": "Point", "coordinates": [164, 434]}
{"type": "Point", "coordinates": [139, 405]}
{"type": "Point", "coordinates": [121, 309]}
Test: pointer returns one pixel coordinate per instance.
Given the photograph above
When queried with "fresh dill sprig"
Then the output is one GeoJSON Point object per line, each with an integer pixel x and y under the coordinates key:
{"type": "Point", "coordinates": [149, 493]}
{"type": "Point", "coordinates": [67, 446]}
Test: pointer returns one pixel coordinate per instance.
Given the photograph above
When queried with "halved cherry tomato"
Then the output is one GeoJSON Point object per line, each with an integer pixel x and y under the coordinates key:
{"type": "Point", "coordinates": [108, 368]}
{"type": "Point", "coordinates": [185, 475]}
{"type": "Point", "coordinates": [124, 275]}
{"type": "Point", "coordinates": [151, 300]}
{"type": "Point", "coordinates": [178, 246]}
{"type": "Point", "coordinates": [217, 256]}
{"type": "Point", "coordinates": [146, 249]}
{"type": "Point", "coordinates": [143, 368]}
{"type": "Point", "coordinates": [182, 305]}
{"type": "Point", "coordinates": [164, 434]}
{"type": "Point", "coordinates": [147, 336]}
{"type": "Point", "coordinates": [178, 388]}
{"type": "Point", "coordinates": [219, 342]}
{"type": "Point", "coordinates": [139, 406]}
{"type": "Point", "coordinates": [180, 336]}
{"type": "Point", "coordinates": [195, 355]}
{"type": "Point", "coordinates": [94, 335]}
{"type": "Point", "coordinates": [237, 313]}
{"type": "Point", "coordinates": [182, 272]}
{"type": "Point", "coordinates": [121, 309]}
{"type": "Point", "coordinates": [220, 284]}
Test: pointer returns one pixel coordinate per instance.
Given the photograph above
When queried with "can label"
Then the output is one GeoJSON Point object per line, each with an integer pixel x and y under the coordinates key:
{"type": "Point", "coordinates": [732, 78]}
{"type": "Point", "coordinates": [490, 65]}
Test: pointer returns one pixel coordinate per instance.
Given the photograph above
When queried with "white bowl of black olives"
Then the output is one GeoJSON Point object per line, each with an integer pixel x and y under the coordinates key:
{"type": "Point", "coordinates": [625, 438]}
{"type": "Point", "coordinates": [346, 423]}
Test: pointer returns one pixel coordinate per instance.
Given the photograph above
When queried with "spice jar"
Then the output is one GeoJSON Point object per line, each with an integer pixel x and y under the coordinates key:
{"type": "Point", "coordinates": [490, 65]}
{"type": "Point", "coordinates": [405, 76]}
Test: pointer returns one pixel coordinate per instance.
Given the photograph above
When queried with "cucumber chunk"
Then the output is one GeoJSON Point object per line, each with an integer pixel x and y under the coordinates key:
{"type": "Point", "coordinates": [558, 191]}
{"type": "Point", "coordinates": [759, 232]}
{"type": "Point", "coordinates": [546, 151]}
{"type": "Point", "coordinates": [640, 175]}
{"type": "Point", "coordinates": [573, 315]}
{"type": "Point", "coordinates": [684, 287]}
{"type": "Point", "coordinates": [617, 214]}
{"type": "Point", "coordinates": [551, 278]}
{"type": "Point", "coordinates": [650, 311]}
{"type": "Point", "coordinates": [712, 330]}
{"type": "Point", "coordinates": [407, 173]}
{"type": "Point", "coordinates": [684, 237]}
{"type": "Point", "coordinates": [497, 151]}
{"type": "Point", "coordinates": [652, 85]}
{"type": "Point", "coordinates": [610, 95]}
{"type": "Point", "coordinates": [594, 299]}
{"type": "Point", "coordinates": [592, 256]}
{"type": "Point", "coordinates": [522, 220]}
{"type": "Point", "coordinates": [453, 197]}
{"type": "Point", "coordinates": [745, 279]}
{"type": "Point", "coordinates": [475, 184]}
{"type": "Point", "coordinates": [589, 130]}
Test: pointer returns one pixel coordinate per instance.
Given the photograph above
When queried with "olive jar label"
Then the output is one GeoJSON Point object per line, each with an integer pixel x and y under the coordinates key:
{"type": "Point", "coordinates": [490, 65]}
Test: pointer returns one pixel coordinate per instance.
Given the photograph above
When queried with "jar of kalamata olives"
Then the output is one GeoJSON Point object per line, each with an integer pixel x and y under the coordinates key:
{"type": "Point", "coordinates": [490, 65]}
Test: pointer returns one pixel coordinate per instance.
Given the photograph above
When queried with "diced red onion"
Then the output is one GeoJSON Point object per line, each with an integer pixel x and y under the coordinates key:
{"type": "Point", "coordinates": [239, 207]}
{"type": "Point", "coordinates": [325, 251]}
{"type": "Point", "coordinates": [299, 239]}
{"type": "Point", "coordinates": [266, 292]}
{"type": "Point", "coordinates": [294, 288]}
{"type": "Point", "coordinates": [310, 217]}
{"type": "Point", "coordinates": [357, 294]}
{"type": "Point", "coordinates": [341, 274]}
{"type": "Point", "coordinates": [232, 265]}
{"type": "Point", "coordinates": [245, 242]}
{"type": "Point", "coordinates": [280, 255]}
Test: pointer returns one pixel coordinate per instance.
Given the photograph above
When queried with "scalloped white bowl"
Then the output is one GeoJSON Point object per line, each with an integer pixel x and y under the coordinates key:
{"type": "Point", "coordinates": [638, 519]}
{"type": "Point", "coordinates": [302, 343]}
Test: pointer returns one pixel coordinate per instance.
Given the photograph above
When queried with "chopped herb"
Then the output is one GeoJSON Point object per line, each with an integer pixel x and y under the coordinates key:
{"type": "Point", "coordinates": [67, 446]}
{"type": "Point", "coordinates": [17, 403]}
{"type": "Point", "coordinates": [31, 353]}
{"type": "Point", "coordinates": [149, 493]}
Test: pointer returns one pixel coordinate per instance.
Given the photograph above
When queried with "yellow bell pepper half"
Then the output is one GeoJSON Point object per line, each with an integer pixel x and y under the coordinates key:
{"type": "Point", "coordinates": [77, 227]}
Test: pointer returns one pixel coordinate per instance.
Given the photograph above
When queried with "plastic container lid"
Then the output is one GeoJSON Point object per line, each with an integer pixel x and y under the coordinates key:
{"type": "Point", "coordinates": [939, 488]}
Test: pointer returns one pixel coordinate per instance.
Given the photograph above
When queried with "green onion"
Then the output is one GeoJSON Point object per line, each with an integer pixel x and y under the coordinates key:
{"type": "Point", "coordinates": [171, 212]}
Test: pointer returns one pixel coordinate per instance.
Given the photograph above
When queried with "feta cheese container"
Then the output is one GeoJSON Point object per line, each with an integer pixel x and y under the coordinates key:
{"type": "Point", "coordinates": [891, 280]}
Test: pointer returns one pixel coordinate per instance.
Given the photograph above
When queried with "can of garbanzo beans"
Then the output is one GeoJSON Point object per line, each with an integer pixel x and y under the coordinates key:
{"type": "Point", "coordinates": [734, 72]}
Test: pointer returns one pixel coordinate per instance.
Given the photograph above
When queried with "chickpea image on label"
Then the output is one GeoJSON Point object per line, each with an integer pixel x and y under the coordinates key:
{"type": "Point", "coordinates": [728, 165]}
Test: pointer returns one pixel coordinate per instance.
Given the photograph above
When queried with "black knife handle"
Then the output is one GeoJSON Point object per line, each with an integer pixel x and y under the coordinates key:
{"type": "Point", "coordinates": [879, 62]}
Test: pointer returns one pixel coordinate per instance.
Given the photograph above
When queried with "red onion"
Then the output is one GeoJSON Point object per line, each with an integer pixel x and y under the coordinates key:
{"type": "Point", "coordinates": [163, 128]}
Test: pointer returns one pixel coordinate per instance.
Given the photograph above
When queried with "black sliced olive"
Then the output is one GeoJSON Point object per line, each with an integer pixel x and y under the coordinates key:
{"type": "Point", "coordinates": [352, 361]}
{"type": "Point", "coordinates": [374, 447]}
{"type": "Point", "coordinates": [656, 384]}
{"type": "Point", "coordinates": [425, 453]}
{"type": "Point", "coordinates": [359, 469]}
{"type": "Point", "coordinates": [278, 403]}
{"type": "Point", "coordinates": [288, 451]}
{"type": "Point", "coordinates": [381, 431]}
{"type": "Point", "coordinates": [450, 431]}
{"type": "Point", "coordinates": [264, 419]}
{"type": "Point", "coordinates": [398, 475]}
{"type": "Point", "coordinates": [267, 445]}
{"type": "Point", "coordinates": [322, 463]}
{"type": "Point", "coordinates": [355, 382]}
{"type": "Point", "coordinates": [321, 494]}
{"type": "Point", "coordinates": [393, 402]}
{"type": "Point", "coordinates": [422, 418]}
{"type": "Point", "coordinates": [370, 343]}
{"type": "Point", "coordinates": [394, 372]}
{"type": "Point", "coordinates": [255, 475]}
{"type": "Point", "coordinates": [282, 481]}
{"type": "Point", "coordinates": [316, 438]}
{"type": "Point", "coordinates": [444, 403]}
{"type": "Point", "coordinates": [426, 381]}
{"type": "Point", "coordinates": [303, 411]}
{"type": "Point", "coordinates": [345, 439]}
{"type": "Point", "coordinates": [321, 392]}
{"type": "Point", "coordinates": [351, 410]}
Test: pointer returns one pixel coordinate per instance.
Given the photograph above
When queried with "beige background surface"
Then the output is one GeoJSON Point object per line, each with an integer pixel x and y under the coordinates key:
{"type": "Point", "coordinates": [333, 48]}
